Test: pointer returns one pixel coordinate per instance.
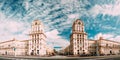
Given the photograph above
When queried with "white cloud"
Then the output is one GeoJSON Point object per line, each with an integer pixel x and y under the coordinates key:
{"type": "Point", "coordinates": [55, 40]}
{"type": "Point", "coordinates": [105, 36]}
{"type": "Point", "coordinates": [26, 5]}
{"type": "Point", "coordinates": [66, 1]}
{"type": "Point", "coordinates": [110, 9]}
{"type": "Point", "coordinates": [12, 28]}
{"type": "Point", "coordinates": [108, 36]}
{"type": "Point", "coordinates": [109, 27]}
{"type": "Point", "coordinates": [73, 16]}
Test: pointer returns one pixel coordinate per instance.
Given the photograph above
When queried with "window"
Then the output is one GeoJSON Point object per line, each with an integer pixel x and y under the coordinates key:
{"type": "Point", "coordinates": [37, 34]}
{"type": "Point", "coordinates": [75, 47]}
{"type": "Point", "coordinates": [80, 48]}
{"type": "Point", "coordinates": [8, 45]}
{"type": "Point", "coordinates": [77, 51]}
{"type": "Point", "coordinates": [77, 35]}
{"type": "Point", "coordinates": [32, 52]}
{"type": "Point", "coordinates": [35, 23]}
{"type": "Point", "coordinates": [37, 51]}
{"type": "Point", "coordinates": [106, 45]}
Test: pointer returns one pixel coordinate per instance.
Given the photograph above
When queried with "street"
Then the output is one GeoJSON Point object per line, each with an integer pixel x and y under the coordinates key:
{"type": "Point", "coordinates": [58, 57]}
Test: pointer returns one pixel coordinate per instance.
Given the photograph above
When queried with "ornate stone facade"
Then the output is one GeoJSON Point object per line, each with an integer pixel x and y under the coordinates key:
{"type": "Point", "coordinates": [36, 45]}
{"type": "Point", "coordinates": [78, 39]}
{"type": "Point", "coordinates": [107, 47]}
{"type": "Point", "coordinates": [38, 39]}
{"type": "Point", "coordinates": [80, 45]}
{"type": "Point", "coordinates": [14, 47]}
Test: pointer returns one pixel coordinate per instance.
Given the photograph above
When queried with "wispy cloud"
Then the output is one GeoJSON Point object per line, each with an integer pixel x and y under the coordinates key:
{"type": "Point", "coordinates": [109, 9]}
{"type": "Point", "coordinates": [73, 16]}
{"type": "Point", "coordinates": [108, 36]}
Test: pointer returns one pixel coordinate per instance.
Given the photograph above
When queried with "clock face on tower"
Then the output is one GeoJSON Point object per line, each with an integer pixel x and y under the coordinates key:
{"type": "Point", "coordinates": [79, 23]}
{"type": "Point", "coordinates": [35, 23]}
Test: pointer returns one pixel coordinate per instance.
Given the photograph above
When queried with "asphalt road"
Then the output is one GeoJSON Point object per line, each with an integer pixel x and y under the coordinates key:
{"type": "Point", "coordinates": [61, 58]}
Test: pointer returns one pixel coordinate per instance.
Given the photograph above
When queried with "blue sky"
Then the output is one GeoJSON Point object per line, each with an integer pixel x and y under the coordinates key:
{"type": "Point", "coordinates": [100, 17]}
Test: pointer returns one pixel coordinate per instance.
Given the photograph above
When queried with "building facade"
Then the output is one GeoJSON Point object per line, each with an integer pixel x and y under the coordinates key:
{"type": "Point", "coordinates": [80, 45]}
{"type": "Point", "coordinates": [37, 39]}
{"type": "Point", "coordinates": [78, 39]}
{"type": "Point", "coordinates": [14, 47]}
{"type": "Point", "coordinates": [107, 47]}
{"type": "Point", "coordinates": [36, 45]}
{"type": "Point", "coordinates": [92, 47]}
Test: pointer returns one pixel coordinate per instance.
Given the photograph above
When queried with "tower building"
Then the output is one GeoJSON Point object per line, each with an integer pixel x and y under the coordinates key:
{"type": "Point", "coordinates": [78, 39]}
{"type": "Point", "coordinates": [37, 39]}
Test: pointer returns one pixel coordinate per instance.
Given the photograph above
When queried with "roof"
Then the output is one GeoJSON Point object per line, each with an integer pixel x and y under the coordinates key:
{"type": "Point", "coordinates": [111, 41]}
{"type": "Point", "coordinates": [91, 40]}
{"type": "Point", "coordinates": [6, 41]}
{"type": "Point", "coordinates": [78, 21]}
{"type": "Point", "coordinates": [12, 40]}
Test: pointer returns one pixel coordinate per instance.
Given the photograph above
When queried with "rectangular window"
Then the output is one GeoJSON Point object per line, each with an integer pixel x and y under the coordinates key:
{"type": "Point", "coordinates": [80, 48]}
{"type": "Point", "coordinates": [77, 35]}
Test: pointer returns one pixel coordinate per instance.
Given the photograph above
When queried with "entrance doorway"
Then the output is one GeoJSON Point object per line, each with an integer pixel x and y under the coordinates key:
{"type": "Point", "coordinates": [38, 52]}
{"type": "Point", "coordinates": [78, 52]}
{"type": "Point", "coordinates": [32, 53]}
{"type": "Point", "coordinates": [110, 52]}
